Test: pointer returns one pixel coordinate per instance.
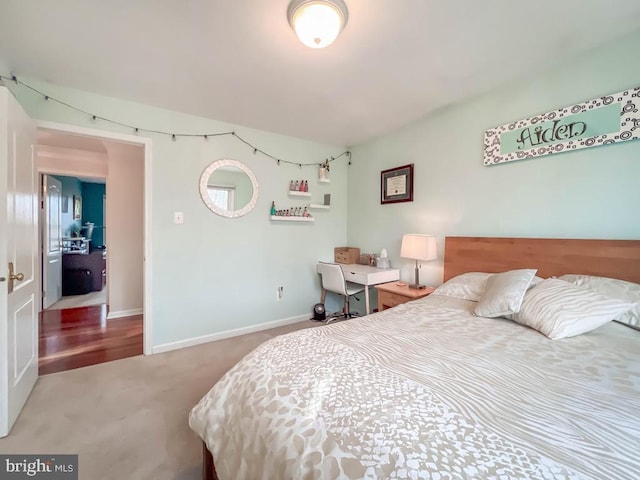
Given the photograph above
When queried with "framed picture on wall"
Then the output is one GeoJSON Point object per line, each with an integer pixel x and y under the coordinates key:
{"type": "Point", "coordinates": [77, 207]}
{"type": "Point", "coordinates": [396, 185]}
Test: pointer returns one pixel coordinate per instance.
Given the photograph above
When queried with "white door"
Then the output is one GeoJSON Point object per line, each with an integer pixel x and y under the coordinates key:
{"type": "Point", "coordinates": [51, 241]}
{"type": "Point", "coordinates": [18, 247]}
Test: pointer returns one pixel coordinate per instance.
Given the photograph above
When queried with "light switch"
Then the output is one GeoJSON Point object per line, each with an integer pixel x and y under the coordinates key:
{"type": "Point", "coordinates": [178, 218]}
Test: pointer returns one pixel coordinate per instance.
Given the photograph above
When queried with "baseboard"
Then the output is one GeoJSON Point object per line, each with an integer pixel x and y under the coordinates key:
{"type": "Point", "coordinates": [124, 313]}
{"type": "Point", "coordinates": [190, 342]}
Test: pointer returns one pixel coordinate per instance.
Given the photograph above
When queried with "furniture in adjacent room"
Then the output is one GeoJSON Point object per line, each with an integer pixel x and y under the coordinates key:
{"type": "Point", "coordinates": [333, 280]}
{"type": "Point", "coordinates": [391, 294]}
{"type": "Point", "coordinates": [75, 245]}
{"type": "Point", "coordinates": [365, 275]}
{"type": "Point", "coordinates": [94, 262]}
{"type": "Point", "coordinates": [76, 281]}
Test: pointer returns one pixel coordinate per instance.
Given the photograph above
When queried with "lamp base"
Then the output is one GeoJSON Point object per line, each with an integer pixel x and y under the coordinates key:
{"type": "Point", "coordinates": [416, 285]}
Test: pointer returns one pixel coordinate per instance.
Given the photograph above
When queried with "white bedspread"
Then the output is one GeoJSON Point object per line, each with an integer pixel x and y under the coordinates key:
{"type": "Point", "coordinates": [427, 390]}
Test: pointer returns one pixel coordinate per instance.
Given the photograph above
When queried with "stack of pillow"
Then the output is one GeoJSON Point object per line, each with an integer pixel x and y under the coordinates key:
{"type": "Point", "coordinates": [557, 307]}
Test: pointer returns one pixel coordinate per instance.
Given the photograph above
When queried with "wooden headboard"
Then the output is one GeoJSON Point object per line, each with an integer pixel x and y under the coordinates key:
{"type": "Point", "coordinates": [552, 257]}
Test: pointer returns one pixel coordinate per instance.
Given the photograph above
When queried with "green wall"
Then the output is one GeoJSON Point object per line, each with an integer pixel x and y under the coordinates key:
{"type": "Point", "coordinates": [213, 274]}
{"type": "Point", "coordinates": [590, 193]}
{"type": "Point", "coordinates": [93, 210]}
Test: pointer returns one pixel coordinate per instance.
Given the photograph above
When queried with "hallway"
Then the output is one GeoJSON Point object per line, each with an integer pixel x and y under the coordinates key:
{"type": "Point", "coordinates": [79, 337]}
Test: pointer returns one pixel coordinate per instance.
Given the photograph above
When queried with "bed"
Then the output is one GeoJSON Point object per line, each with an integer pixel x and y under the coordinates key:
{"type": "Point", "coordinates": [428, 389]}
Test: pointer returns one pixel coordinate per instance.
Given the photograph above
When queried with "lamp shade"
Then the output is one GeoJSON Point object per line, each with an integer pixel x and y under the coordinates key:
{"type": "Point", "coordinates": [317, 22]}
{"type": "Point", "coordinates": [418, 247]}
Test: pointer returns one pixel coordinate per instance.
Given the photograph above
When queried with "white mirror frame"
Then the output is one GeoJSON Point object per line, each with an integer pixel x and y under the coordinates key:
{"type": "Point", "coordinates": [204, 192]}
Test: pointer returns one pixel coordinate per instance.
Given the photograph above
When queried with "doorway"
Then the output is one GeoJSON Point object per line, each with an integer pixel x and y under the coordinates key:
{"type": "Point", "coordinates": [73, 231]}
{"type": "Point", "coordinates": [84, 327]}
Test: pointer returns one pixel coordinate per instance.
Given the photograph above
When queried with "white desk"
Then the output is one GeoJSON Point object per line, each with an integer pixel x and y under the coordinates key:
{"type": "Point", "coordinates": [367, 276]}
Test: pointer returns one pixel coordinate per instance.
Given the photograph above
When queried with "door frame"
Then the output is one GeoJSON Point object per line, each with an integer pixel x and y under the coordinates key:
{"type": "Point", "coordinates": [43, 233]}
{"type": "Point", "coordinates": [146, 143]}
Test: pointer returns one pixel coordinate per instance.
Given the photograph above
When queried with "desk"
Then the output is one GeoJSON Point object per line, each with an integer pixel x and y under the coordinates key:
{"type": "Point", "coordinates": [367, 276]}
{"type": "Point", "coordinates": [76, 245]}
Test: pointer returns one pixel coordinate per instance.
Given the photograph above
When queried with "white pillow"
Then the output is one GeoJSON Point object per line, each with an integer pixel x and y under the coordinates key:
{"type": "Point", "coordinates": [468, 286]}
{"type": "Point", "coordinates": [612, 287]}
{"type": "Point", "coordinates": [559, 309]}
{"type": "Point", "coordinates": [504, 293]}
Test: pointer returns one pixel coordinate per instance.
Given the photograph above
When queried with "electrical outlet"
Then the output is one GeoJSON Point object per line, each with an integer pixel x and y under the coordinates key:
{"type": "Point", "coordinates": [279, 293]}
{"type": "Point", "coordinates": [178, 218]}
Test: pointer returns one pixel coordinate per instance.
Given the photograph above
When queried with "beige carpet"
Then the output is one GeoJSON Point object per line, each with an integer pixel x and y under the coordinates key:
{"type": "Point", "coordinates": [75, 301]}
{"type": "Point", "coordinates": [127, 419]}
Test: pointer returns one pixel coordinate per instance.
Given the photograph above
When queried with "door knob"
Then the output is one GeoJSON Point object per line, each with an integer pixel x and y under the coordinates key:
{"type": "Point", "coordinates": [13, 277]}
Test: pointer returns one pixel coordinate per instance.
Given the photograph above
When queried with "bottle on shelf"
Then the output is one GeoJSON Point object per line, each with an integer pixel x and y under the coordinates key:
{"type": "Point", "coordinates": [306, 186]}
{"type": "Point", "coordinates": [296, 186]}
{"type": "Point", "coordinates": [291, 185]}
{"type": "Point", "coordinates": [273, 208]}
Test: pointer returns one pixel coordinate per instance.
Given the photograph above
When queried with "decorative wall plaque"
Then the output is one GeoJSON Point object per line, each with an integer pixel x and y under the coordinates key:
{"type": "Point", "coordinates": [602, 121]}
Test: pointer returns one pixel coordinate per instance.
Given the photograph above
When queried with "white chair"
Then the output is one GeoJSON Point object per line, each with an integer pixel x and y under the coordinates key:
{"type": "Point", "coordinates": [333, 281]}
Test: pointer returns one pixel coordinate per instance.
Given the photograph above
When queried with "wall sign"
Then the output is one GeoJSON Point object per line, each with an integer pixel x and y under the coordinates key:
{"type": "Point", "coordinates": [604, 120]}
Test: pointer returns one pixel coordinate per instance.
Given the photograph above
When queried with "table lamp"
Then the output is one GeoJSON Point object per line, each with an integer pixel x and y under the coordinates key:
{"type": "Point", "coordinates": [418, 247]}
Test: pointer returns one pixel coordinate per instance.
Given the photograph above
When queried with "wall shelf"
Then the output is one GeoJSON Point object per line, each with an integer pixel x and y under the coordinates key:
{"type": "Point", "coordinates": [295, 193]}
{"type": "Point", "coordinates": [318, 206]}
{"type": "Point", "coordinates": [280, 218]}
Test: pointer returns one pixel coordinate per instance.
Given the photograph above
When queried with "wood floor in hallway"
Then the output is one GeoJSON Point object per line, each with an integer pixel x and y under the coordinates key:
{"type": "Point", "coordinates": [78, 337]}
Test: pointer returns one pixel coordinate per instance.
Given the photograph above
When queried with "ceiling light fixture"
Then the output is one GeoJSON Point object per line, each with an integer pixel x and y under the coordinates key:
{"type": "Point", "coordinates": [317, 22]}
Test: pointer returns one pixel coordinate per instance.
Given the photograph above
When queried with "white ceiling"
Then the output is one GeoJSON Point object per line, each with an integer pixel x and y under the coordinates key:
{"type": "Point", "coordinates": [240, 62]}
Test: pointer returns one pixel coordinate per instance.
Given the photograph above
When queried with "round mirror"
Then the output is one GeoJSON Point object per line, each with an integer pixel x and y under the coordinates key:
{"type": "Point", "coordinates": [229, 188]}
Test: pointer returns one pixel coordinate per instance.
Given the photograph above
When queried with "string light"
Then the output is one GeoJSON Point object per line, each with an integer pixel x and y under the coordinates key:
{"type": "Point", "coordinates": [173, 136]}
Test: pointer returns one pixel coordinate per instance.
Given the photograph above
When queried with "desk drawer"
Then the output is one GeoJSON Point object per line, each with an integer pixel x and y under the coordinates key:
{"type": "Point", "coordinates": [355, 277]}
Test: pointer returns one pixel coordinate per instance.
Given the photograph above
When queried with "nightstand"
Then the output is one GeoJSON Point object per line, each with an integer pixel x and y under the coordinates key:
{"type": "Point", "coordinates": [391, 294]}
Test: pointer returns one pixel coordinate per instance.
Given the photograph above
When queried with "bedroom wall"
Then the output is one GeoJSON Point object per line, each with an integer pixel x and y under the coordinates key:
{"type": "Point", "coordinates": [125, 229]}
{"type": "Point", "coordinates": [213, 274]}
{"type": "Point", "coordinates": [591, 193]}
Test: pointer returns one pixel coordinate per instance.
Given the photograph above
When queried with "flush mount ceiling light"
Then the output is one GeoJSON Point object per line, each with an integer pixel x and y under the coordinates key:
{"type": "Point", "coordinates": [317, 22]}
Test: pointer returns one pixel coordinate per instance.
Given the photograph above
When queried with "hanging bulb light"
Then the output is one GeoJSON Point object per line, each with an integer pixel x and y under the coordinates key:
{"type": "Point", "coordinates": [317, 22]}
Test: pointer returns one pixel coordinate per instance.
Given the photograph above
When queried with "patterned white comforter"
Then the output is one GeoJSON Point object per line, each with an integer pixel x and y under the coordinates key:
{"type": "Point", "coordinates": [427, 390]}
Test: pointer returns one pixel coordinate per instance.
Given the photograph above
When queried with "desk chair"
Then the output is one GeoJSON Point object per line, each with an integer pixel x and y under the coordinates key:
{"type": "Point", "coordinates": [333, 281]}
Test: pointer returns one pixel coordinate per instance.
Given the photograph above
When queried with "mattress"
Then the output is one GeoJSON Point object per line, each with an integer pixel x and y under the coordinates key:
{"type": "Point", "coordinates": [427, 390]}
